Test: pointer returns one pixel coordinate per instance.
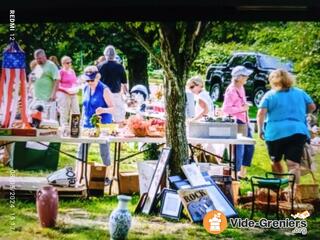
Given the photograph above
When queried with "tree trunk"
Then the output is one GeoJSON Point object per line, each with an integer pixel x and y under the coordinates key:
{"type": "Point", "coordinates": [137, 68]}
{"type": "Point", "coordinates": [176, 128]}
{"type": "Point", "coordinates": [180, 43]}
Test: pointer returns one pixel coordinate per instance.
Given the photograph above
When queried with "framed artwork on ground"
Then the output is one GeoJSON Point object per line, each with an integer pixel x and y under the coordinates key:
{"type": "Point", "coordinates": [171, 204]}
{"type": "Point", "coordinates": [140, 203]}
{"type": "Point", "coordinates": [202, 199]}
{"type": "Point", "coordinates": [220, 201]}
{"type": "Point", "coordinates": [156, 179]}
{"type": "Point", "coordinates": [177, 182]}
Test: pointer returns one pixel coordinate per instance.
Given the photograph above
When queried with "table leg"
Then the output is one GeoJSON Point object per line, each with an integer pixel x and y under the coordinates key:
{"type": "Point", "coordinates": [232, 160]}
{"type": "Point", "coordinates": [235, 162]}
{"type": "Point", "coordinates": [114, 166]}
{"type": "Point", "coordinates": [82, 165]}
{"type": "Point", "coordinates": [85, 161]}
{"type": "Point", "coordinates": [118, 167]}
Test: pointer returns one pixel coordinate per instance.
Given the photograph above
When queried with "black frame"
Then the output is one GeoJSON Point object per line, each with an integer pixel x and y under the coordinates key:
{"type": "Point", "coordinates": [165, 193]}
{"type": "Point", "coordinates": [159, 174]}
{"type": "Point", "coordinates": [140, 203]}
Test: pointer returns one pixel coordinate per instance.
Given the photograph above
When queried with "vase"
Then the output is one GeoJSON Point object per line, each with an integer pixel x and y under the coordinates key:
{"type": "Point", "coordinates": [120, 219]}
{"type": "Point", "coordinates": [47, 206]}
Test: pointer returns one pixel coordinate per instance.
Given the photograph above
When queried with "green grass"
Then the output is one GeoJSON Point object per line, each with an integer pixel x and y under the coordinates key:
{"type": "Point", "coordinates": [88, 219]}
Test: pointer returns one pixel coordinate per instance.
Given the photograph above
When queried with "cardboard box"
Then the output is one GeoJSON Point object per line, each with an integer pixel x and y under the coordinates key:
{"type": "Point", "coordinates": [129, 182]}
{"type": "Point", "coordinates": [96, 174]}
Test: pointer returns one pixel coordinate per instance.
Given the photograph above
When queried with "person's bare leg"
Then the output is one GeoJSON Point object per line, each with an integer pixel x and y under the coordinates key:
{"type": "Point", "coordinates": [294, 168]}
{"type": "Point", "coordinates": [277, 167]}
{"type": "Point", "coordinates": [243, 171]}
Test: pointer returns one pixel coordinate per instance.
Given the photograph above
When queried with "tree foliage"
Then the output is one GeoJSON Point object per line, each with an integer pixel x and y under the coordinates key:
{"type": "Point", "coordinates": [180, 44]}
{"type": "Point", "coordinates": [295, 41]}
{"type": "Point", "coordinates": [83, 42]}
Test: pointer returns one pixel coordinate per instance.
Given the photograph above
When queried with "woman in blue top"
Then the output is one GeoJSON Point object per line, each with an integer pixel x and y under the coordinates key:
{"type": "Point", "coordinates": [284, 108]}
{"type": "Point", "coordinates": [96, 100]}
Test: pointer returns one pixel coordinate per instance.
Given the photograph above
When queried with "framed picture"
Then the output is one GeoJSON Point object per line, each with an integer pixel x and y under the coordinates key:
{"type": "Point", "coordinates": [177, 182]}
{"type": "Point", "coordinates": [140, 203]}
{"type": "Point", "coordinates": [171, 204]}
{"type": "Point", "coordinates": [193, 174]}
{"type": "Point", "coordinates": [156, 179]}
{"type": "Point", "coordinates": [200, 200]}
{"type": "Point", "coordinates": [220, 201]}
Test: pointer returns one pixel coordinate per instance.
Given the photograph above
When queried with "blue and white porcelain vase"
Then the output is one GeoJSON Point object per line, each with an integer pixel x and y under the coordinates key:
{"type": "Point", "coordinates": [120, 219]}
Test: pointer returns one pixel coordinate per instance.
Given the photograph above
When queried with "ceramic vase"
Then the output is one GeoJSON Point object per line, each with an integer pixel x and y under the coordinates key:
{"type": "Point", "coordinates": [120, 219]}
{"type": "Point", "coordinates": [47, 206]}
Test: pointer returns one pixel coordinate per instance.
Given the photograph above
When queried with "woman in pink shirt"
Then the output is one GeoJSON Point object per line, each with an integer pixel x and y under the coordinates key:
{"type": "Point", "coordinates": [235, 104]}
{"type": "Point", "coordinates": [67, 98]}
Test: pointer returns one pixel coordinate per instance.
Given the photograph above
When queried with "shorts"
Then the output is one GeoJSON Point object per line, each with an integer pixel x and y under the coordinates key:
{"type": "Point", "coordinates": [291, 147]}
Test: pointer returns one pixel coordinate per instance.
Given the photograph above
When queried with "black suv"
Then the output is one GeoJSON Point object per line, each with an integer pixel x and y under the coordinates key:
{"type": "Point", "coordinates": [218, 76]}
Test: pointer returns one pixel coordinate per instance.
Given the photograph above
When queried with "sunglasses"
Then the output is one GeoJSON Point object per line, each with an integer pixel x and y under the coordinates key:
{"type": "Point", "coordinates": [191, 87]}
{"type": "Point", "coordinates": [90, 80]}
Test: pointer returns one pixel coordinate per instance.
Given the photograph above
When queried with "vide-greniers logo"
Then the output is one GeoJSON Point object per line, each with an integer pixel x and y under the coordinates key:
{"type": "Point", "coordinates": [215, 222]}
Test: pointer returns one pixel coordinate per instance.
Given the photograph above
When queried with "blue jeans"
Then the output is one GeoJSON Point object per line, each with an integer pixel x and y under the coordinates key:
{"type": "Point", "coordinates": [244, 153]}
{"type": "Point", "coordinates": [104, 153]}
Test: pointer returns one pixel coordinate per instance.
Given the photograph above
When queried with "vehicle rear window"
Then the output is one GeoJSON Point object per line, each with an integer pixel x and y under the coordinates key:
{"type": "Point", "coordinates": [274, 63]}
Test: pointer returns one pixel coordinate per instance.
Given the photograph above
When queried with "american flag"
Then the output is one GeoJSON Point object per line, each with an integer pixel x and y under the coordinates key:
{"type": "Point", "coordinates": [13, 90]}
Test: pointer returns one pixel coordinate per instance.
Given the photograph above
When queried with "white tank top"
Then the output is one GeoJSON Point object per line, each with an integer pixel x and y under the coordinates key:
{"type": "Point", "coordinates": [204, 96]}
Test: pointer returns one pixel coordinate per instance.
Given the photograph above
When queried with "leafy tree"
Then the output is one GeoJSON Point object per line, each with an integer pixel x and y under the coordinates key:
{"type": "Point", "coordinates": [180, 43]}
{"type": "Point", "coordinates": [83, 42]}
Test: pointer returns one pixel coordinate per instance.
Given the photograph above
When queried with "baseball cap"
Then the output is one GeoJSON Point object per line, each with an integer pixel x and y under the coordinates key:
{"type": "Point", "coordinates": [90, 76]}
{"type": "Point", "coordinates": [90, 73]}
{"type": "Point", "coordinates": [240, 70]}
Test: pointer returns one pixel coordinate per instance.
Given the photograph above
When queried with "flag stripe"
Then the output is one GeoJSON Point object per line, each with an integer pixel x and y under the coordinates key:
{"type": "Point", "coordinates": [24, 115]}
{"type": "Point", "coordinates": [10, 89]}
{"type": "Point", "coordinates": [3, 78]}
{"type": "Point", "coordinates": [15, 100]}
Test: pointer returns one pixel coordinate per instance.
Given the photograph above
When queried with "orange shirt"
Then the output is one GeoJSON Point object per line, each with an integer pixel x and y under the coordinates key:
{"type": "Point", "coordinates": [37, 115]}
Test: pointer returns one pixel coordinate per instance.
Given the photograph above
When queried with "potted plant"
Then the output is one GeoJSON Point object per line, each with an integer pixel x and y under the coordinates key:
{"type": "Point", "coordinates": [95, 121]}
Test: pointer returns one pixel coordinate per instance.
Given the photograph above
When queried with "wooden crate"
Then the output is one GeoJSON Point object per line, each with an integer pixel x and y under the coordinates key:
{"type": "Point", "coordinates": [26, 188]}
{"type": "Point", "coordinates": [129, 182]}
{"type": "Point", "coordinates": [307, 192]}
{"type": "Point", "coordinates": [284, 207]}
{"type": "Point", "coordinates": [235, 187]}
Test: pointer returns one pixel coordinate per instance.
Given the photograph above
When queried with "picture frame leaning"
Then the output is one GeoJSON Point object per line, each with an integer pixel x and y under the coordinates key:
{"type": "Point", "coordinates": [156, 179]}
{"type": "Point", "coordinates": [171, 205]}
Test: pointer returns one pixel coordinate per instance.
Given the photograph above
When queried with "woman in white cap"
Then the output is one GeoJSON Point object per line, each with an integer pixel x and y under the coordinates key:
{"type": "Point", "coordinates": [235, 104]}
{"type": "Point", "coordinates": [97, 99]}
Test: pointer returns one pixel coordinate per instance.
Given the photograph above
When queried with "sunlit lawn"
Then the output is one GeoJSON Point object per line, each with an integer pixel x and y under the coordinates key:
{"type": "Point", "coordinates": [87, 219]}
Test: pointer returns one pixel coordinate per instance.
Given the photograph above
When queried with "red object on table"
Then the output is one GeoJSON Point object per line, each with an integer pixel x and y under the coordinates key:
{"type": "Point", "coordinates": [30, 132]}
